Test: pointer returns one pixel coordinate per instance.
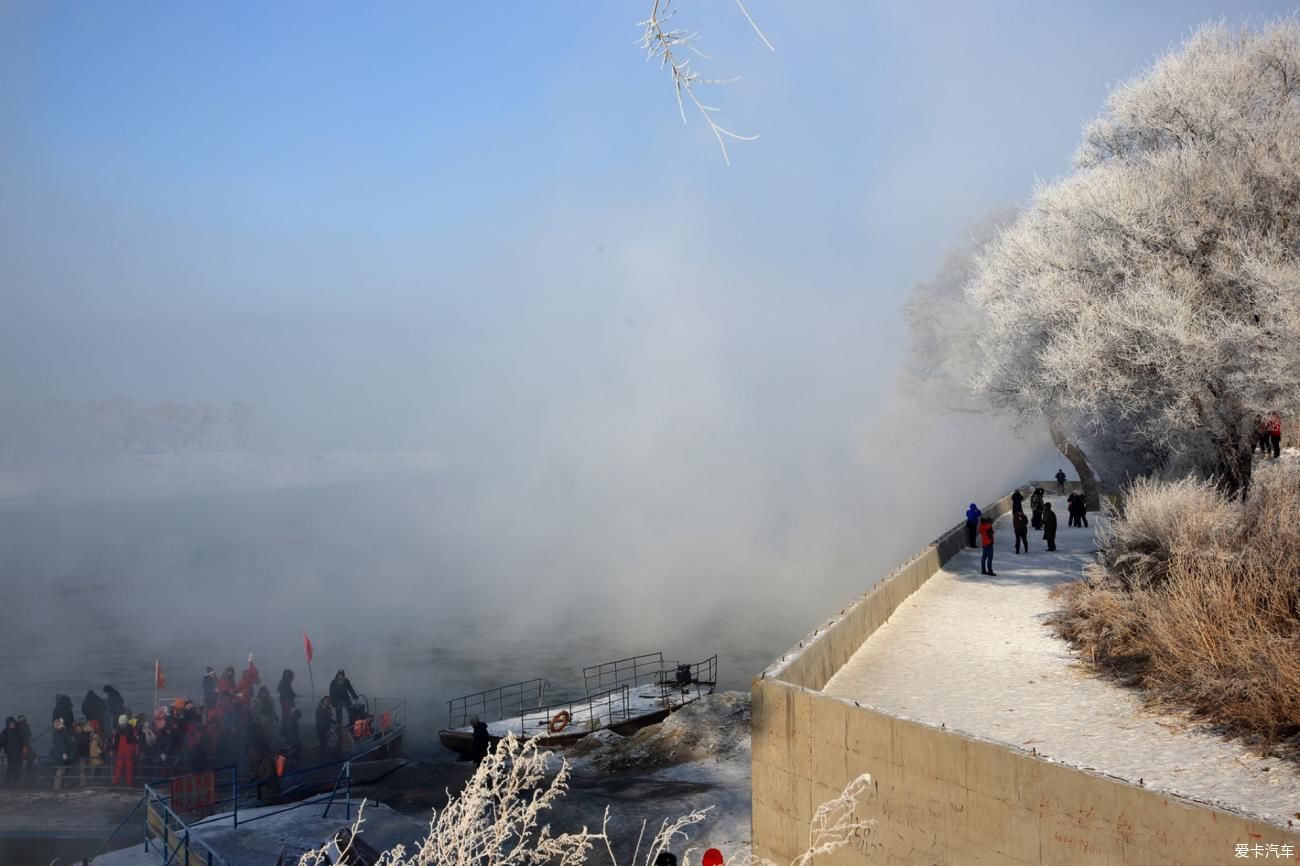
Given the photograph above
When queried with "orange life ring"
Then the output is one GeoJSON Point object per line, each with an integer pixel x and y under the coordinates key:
{"type": "Point", "coordinates": [559, 721]}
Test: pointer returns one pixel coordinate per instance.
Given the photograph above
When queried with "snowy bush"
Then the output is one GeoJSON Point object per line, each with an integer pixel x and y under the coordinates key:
{"type": "Point", "coordinates": [1196, 598]}
{"type": "Point", "coordinates": [497, 820]}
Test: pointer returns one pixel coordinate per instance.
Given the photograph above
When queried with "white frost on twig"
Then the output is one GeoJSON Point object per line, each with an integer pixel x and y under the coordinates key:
{"type": "Point", "coordinates": [667, 43]}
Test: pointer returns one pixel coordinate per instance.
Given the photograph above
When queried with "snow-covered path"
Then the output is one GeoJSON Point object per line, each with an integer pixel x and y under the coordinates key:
{"type": "Point", "coordinates": [973, 652]}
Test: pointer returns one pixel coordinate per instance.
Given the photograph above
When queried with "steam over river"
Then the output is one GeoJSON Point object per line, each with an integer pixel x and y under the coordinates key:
{"type": "Point", "coordinates": [424, 582]}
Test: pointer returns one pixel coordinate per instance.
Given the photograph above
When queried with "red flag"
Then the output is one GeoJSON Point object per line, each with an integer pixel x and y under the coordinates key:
{"type": "Point", "coordinates": [306, 644]}
{"type": "Point", "coordinates": [159, 681]}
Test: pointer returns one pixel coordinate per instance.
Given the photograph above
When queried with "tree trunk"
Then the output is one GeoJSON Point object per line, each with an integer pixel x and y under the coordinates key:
{"type": "Point", "coordinates": [1236, 461]}
{"type": "Point", "coordinates": [1079, 461]}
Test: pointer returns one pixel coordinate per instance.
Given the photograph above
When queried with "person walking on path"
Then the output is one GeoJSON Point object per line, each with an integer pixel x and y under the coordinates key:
{"type": "Point", "coordinates": [972, 521]}
{"type": "Point", "coordinates": [1273, 425]}
{"type": "Point", "coordinates": [1049, 526]}
{"type": "Point", "coordinates": [986, 542]}
{"type": "Point", "coordinates": [1020, 525]}
{"type": "Point", "coordinates": [1071, 511]}
{"type": "Point", "coordinates": [1017, 501]}
{"type": "Point", "coordinates": [1036, 504]}
{"type": "Point", "coordinates": [61, 752]}
{"type": "Point", "coordinates": [1060, 480]}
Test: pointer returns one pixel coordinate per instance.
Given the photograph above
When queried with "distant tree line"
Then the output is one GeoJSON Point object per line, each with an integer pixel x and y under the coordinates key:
{"type": "Point", "coordinates": [104, 428]}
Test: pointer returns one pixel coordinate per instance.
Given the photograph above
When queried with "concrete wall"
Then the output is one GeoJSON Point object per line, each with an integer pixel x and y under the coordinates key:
{"type": "Point", "coordinates": [939, 797]}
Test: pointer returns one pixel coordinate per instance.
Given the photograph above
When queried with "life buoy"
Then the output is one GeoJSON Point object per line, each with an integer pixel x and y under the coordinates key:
{"type": "Point", "coordinates": [559, 721]}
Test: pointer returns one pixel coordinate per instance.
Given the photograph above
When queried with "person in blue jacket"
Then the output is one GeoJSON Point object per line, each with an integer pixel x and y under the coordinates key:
{"type": "Point", "coordinates": [972, 520]}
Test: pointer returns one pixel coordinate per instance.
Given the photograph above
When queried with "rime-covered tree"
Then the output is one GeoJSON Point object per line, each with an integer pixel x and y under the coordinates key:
{"type": "Point", "coordinates": [1158, 286]}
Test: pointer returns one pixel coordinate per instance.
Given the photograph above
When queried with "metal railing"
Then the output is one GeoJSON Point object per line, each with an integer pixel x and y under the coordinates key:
{"type": "Point", "coordinates": [585, 714]}
{"type": "Point", "coordinates": [176, 839]}
{"type": "Point", "coordinates": [492, 705]}
{"type": "Point", "coordinates": [632, 671]}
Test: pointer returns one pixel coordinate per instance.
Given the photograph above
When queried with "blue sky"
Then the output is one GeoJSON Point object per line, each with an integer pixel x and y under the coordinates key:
{"type": "Point", "coordinates": [221, 201]}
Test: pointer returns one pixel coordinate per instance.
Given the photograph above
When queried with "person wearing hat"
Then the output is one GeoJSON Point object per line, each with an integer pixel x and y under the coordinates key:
{"type": "Point", "coordinates": [124, 752]}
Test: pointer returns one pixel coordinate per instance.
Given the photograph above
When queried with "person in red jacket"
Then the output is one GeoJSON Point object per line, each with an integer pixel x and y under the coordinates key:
{"type": "Point", "coordinates": [986, 542]}
{"type": "Point", "coordinates": [124, 753]}
{"type": "Point", "coordinates": [1274, 428]}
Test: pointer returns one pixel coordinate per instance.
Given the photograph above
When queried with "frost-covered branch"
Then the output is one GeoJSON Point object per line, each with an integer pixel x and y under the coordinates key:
{"type": "Point", "coordinates": [670, 46]}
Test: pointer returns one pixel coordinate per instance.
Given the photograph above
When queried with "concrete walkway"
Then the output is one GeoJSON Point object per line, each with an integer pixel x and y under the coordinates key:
{"type": "Point", "coordinates": [973, 653]}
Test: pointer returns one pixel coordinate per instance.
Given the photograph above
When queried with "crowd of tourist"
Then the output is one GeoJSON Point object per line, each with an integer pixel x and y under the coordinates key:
{"type": "Point", "coordinates": [236, 722]}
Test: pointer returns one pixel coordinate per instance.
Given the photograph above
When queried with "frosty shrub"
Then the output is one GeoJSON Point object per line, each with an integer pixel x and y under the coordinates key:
{"type": "Point", "coordinates": [497, 820]}
{"type": "Point", "coordinates": [1196, 599]}
{"type": "Point", "coordinates": [1160, 518]}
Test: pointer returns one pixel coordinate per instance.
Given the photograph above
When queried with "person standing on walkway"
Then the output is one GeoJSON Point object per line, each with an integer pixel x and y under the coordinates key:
{"type": "Point", "coordinates": [1060, 480]}
{"type": "Point", "coordinates": [972, 521]}
{"type": "Point", "coordinates": [1081, 511]}
{"type": "Point", "coordinates": [1049, 526]}
{"type": "Point", "coordinates": [1017, 501]}
{"type": "Point", "coordinates": [1020, 525]}
{"type": "Point", "coordinates": [986, 542]}
{"type": "Point", "coordinates": [1036, 504]}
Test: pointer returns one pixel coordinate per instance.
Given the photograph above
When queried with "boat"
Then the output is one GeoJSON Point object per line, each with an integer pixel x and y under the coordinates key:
{"type": "Point", "coordinates": [622, 696]}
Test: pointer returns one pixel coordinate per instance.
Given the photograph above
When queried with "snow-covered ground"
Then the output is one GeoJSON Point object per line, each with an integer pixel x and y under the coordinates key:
{"type": "Point", "coordinates": [973, 652]}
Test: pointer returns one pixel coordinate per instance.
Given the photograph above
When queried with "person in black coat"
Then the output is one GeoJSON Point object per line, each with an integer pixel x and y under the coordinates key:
{"type": "Point", "coordinates": [63, 711]}
{"type": "Point", "coordinates": [287, 698]}
{"type": "Point", "coordinates": [11, 743]}
{"type": "Point", "coordinates": [1017, 502]}
{"type": "Point", "coordinates": [341, 695]}
{"type": "Point", "coordinates": [1049, 526]}
{"type": "Point", "coordinates": [481, 740]}
{"type": "Point", "coordinates": [209, 689]}
{"type": "Point", "coordinates": [93, 707]}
